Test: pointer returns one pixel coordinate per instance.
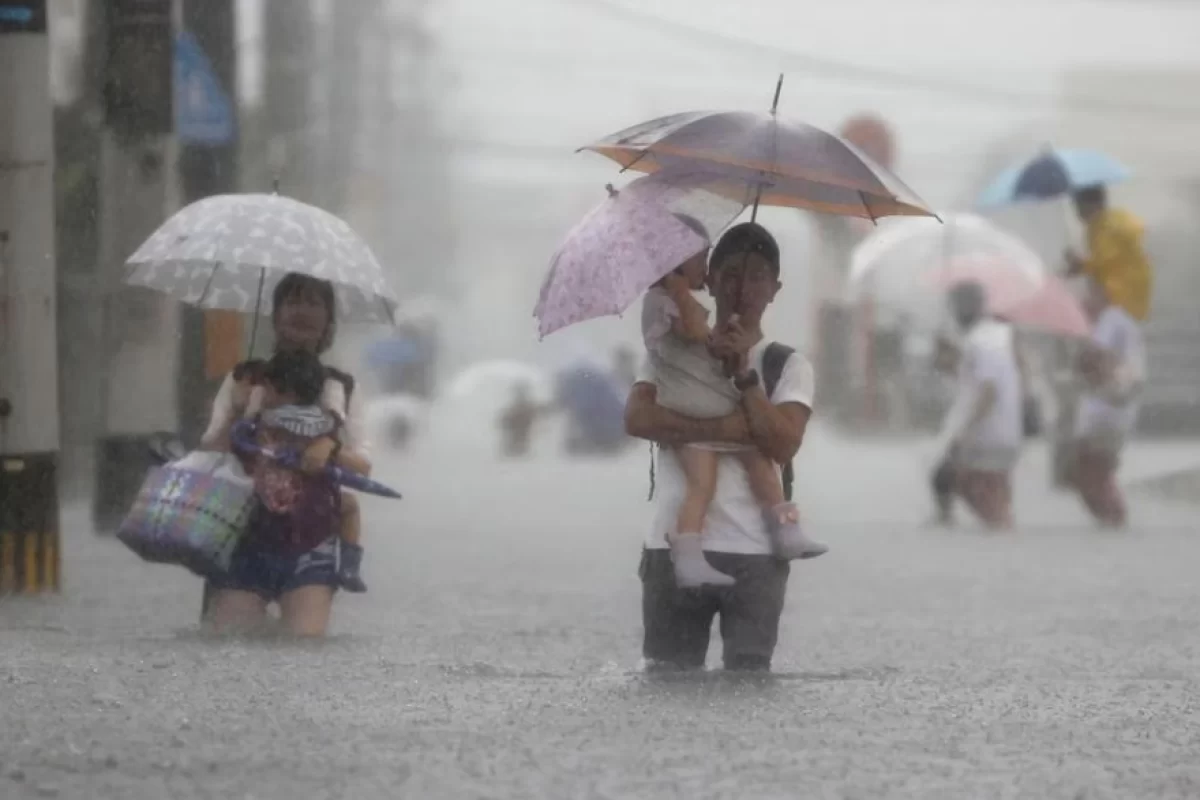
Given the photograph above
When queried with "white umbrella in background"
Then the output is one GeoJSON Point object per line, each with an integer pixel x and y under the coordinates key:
{"type": "Point", "coordinates": [896, 266]}
{"type": "Point", "coordinates": [422, 311]}
{"type": "Point", "coordinates": [466, 414]}
{"type": "Point", "coordinates": [495, 381]}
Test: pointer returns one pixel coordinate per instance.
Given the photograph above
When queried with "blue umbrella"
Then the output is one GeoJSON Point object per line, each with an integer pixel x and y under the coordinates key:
{"type": "Point", "coordinates": [244, 441]}
{"type": "Point", "coordinates": [593, 401]}
{"type": "Point", "coordinates": [395, 351]}
{"type": "Point", "coordinates": [1052, 174]}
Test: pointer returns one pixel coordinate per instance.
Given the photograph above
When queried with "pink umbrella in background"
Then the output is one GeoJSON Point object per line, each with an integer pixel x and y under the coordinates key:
{"type": "Point", "coordinates": [1051, 309]}
{"type": "Point", "coordinates": [1005, 286]}
{"type": "Point", "coordinates": [1043, 303]}
{"type": "Point", "coordinates": [628, 243]}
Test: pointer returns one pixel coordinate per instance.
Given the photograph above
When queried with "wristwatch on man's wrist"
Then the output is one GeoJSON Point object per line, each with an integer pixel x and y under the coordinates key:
{"type": "Point", "coordinates": [747, 380]}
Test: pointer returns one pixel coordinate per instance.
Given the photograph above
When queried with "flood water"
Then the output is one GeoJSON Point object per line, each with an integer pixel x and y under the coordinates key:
{"type": "Point", "coordinates": [496, 655]}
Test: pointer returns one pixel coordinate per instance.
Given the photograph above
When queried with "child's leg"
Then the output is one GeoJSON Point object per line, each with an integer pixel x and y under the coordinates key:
{"type": "Point", "coordinates": [351, 532]}
{"type": "Point", "coordinates": [350, 562]}
{"type": "Point", "coordinates": [783, 519]}
{"type": "Point", "coordinates": [700, 470]}
{"type": "Point", "coordinates": [687, 551]}
{"type": "Point", "coordinates": [764, 479]}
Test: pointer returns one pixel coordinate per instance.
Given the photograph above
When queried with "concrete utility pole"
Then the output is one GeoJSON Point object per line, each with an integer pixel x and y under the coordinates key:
{"type": "Point", "coordinates": [290, 47]}
{"type": "Point", "coordinates": [211, 341]}
{"type": "Point", "coordinates": [343, 146]}
{"type": "Point", "coordinates": [137, 188]}
{"type": "Point", "coordinates": [29, 436]}
{"type": "Point", "coordinates": [412, 224]}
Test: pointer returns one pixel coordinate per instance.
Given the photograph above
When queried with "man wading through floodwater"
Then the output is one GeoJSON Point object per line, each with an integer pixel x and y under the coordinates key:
{"type": "Point", "coordinates": [775, 385]}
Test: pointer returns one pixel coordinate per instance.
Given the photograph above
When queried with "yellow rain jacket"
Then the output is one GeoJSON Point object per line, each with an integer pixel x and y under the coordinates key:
{"type": "Point", "coordinates": [1117, 261]}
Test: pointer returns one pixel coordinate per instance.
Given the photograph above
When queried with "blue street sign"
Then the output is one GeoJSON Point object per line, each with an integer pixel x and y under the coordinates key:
{"type": "Point", "coordinates": [203, 110]}
{"type": "Point", "coordinates": [28, 16]}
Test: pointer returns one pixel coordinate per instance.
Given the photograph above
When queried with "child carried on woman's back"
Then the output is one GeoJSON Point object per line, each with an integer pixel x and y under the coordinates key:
{"type": "Point", "coordinates": [304, 437]}
{"type": "Point", "coordinates": [691, 381]}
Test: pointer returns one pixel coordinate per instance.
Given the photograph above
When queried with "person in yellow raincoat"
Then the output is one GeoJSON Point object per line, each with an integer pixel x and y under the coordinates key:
{"type": "Point", "coordinates": [1116, 259]}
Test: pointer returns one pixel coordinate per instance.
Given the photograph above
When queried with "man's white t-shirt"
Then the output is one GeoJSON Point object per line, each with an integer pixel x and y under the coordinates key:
{"type": "Point", "coordinates": [1121, 335]}
{"type": "Point", "coordinates": [734, 523]}
{"type": "Point", "coordinates": [989, 357]}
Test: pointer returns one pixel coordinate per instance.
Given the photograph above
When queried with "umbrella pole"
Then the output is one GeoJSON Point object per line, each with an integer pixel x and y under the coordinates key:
{"type": "Point", "coordinates": [774, 110]}
{"type": "Point", "coordinates": [262, 279]}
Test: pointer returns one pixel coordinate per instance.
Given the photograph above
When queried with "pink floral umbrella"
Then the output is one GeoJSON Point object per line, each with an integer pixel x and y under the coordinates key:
{"type": "Point", "coordinates": [628, 243]}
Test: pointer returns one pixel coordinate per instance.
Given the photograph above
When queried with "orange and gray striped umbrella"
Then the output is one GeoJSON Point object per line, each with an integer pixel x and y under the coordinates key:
{"type": "Point", "coordinates": [786, 163]}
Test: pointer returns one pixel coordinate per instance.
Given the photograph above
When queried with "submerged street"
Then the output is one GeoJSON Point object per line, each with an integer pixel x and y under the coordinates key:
{"type": "Point", "coordinates": [497, 653]}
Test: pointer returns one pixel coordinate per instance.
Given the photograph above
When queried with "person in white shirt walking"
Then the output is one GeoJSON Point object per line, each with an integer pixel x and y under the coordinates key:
{"type": "Point", "coordinates": [981, 436]}
{"type": "Point", "coordinates": [774, 388]}
{"type": "Point", "coordinates": [1113, 369]}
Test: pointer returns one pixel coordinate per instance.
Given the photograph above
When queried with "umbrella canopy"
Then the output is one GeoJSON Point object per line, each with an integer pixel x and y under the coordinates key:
{"type": "Point", "coordinates": [1005, 288]}
{"type": "Point", "coordinates": [229, 251]}
{"type": "Point", "coordinates": [1053, 308]}
{"type": "Point", "coordinates": [786, 163]}
{"type": "Point", "coordinates": [895, 265]}
{"type": "Point", "coordinates": [1046, 304]}
{"type": "Point", "coordinates": [1051, 174]}
{"type": "Point", "coordinates": [629, 242]}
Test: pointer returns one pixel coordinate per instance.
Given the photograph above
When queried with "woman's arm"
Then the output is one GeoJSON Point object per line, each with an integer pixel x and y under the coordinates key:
{"type": "Point", "coordinates": [326, 450]}
{"type": "Point", "coordinates": [228, 407]}
{"type": "Point", "coordinates": [354, 440]}
{"type": "Point", "coordinates": [354, 461]}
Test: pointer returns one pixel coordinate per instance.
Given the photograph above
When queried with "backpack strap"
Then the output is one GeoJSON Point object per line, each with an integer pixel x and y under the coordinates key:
{"type": "Point", "coordinates": [345, 379]}
{"type": "Point", "coordinates": [775, 358]}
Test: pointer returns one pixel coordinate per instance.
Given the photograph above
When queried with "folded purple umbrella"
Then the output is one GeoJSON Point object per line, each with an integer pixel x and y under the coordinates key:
{"type": "Point", "coordinates": [244, 441]}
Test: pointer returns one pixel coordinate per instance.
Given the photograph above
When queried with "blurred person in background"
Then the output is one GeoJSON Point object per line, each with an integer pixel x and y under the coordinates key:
{"type": "Point", "coordinates": [1113, 370]}
{"type": "Point", "coordinates": [1116, 253]}
{"type": "Point", "coordinates": [946, 358]}
{"type": "Point", "coordinates": [594, 410]}
{"type": "Point", "coordinates": [981, 435]}
{"type": "Point", "coordinates": [517, 422]}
